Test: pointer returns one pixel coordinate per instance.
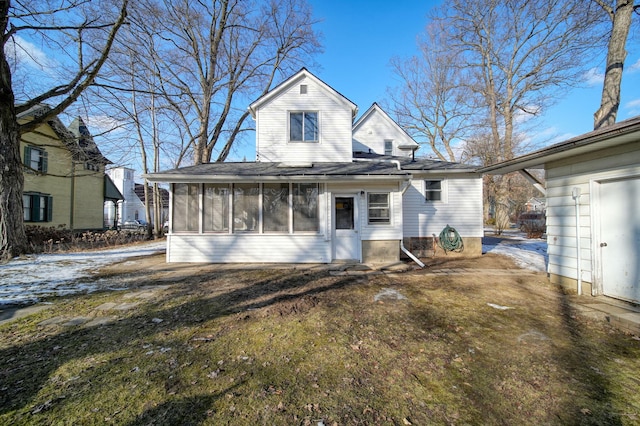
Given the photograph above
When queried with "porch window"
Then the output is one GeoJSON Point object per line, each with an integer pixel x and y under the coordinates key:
{"type": "Point", "coordinates": [378, 208]}
{"type": "Point", "coordinates": [216, 208]}
{"type": "Point", "coordinates": [305, 207]}
{"type": "Point", "coordinates": [303, 126]}
{"type": "Point", "coordinates": [37, 207]}
{"type": "Point", "coordinates": [275, 207]}
{"type": "Point", "coordinates": [433, 190]}
{"type": "Point", "coordinates": [185, 207]}
{"type": "Point", "coordinates": [36, 158]}
{"type": "Point", "coordinates": [246, 197]}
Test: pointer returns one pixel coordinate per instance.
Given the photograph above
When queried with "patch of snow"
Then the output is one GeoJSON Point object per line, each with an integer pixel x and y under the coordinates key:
{"type": "Point", "coordinates": [30, 279]}
{"type": "Point", "coordinates": [389, 294]}
{"type": "Point", "coordinates": [527, 253]}
{"type": "Point", "coordinates": [499, 307]}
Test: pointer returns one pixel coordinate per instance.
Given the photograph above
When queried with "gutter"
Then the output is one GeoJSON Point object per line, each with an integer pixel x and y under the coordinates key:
{"type": "Point", "coordinates": [182, 178]}
{"type": "Point", "coordinates": [559, 151]}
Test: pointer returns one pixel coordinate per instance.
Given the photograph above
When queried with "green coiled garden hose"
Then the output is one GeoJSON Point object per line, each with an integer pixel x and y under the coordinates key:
{"type": "Point", "coordinates": [450, 240]}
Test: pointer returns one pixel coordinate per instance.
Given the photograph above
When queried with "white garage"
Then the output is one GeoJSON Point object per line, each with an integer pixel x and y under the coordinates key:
{"type": "Point", "coordinates": [593, 209]}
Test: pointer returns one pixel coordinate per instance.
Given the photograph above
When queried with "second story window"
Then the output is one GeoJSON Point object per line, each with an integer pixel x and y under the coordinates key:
{"type": "Point", "coordinates": [35, 158]}
{"type": "Point", "coordinates": [303, 126]}
{"type": "Point", "coordinates": [91, 166]}
{"type": "Point", "coordinates": [388, 147]}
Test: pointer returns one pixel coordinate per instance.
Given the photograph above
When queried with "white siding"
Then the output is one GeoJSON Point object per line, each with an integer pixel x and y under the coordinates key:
{"type": "Point", "coordinates": [335, 121]}
{"type": "Point", "coordinates": [379, 232]}
{"type": "Point", "coordinates": [244, 248]}
{"type": "Point", "coordinates": [374, 130]}
{"type": "Point", "coordinates": [123, 179]}
{"type": "Point", "coordinates": [583, 172]}
{"type": "Point", "coordinates": [461, 207]}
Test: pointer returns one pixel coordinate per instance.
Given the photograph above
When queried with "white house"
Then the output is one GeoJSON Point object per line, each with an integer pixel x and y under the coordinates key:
{"type": "Point", "coordinates": [132, 204]}
{"type": "Point", "coordinates": [131, 207]}
{"type": "Point", "coordinates": [593, 205]}
{"type": "Point", "coordinates": [322, 189]}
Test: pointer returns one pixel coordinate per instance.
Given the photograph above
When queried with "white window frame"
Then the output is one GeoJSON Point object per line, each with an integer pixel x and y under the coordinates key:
{"type": "Point", "coordinates": [388, 208]}
{"type": "Point", "coordinates": [303, 140]}
{"type": "Point", "coordinates": [390, 150]}
{"type": "Point", "coordinates": [443, 190]}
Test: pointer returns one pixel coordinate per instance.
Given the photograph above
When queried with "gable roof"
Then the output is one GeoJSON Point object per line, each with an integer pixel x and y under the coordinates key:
{"type": "Point", "coordinates": [139, 190]}
{"type": "Point", "coordinates": [617, 134]}
{"type": "Point", "coordinates": [111, 191]}
{"type": "Point", "coordinates": [291, 81]}
{"type": "Point", "coordinates": [79, 143]}
{"type": "Point", "coordinates": [85, 141]}
{"type": "Point", "coordinates": [375, 108]}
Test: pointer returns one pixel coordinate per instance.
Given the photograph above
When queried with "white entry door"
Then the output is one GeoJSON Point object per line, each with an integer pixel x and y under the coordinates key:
{"type": "Point", "coordinates": [620, 238]}
{"type": "Point", "coordinates": [346, 241]}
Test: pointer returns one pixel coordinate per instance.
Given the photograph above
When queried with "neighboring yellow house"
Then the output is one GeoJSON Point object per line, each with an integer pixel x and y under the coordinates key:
{"type": "Point", "coordinates": [64, 179]}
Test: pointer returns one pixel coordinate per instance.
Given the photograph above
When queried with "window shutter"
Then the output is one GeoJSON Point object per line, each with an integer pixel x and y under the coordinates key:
{"type": "Point", "coordinates": [35, 208]}
{"type": "Point", "coordinates": [45, 160]}
{"type": "Point", "coordinates": [49, 208]}
{"type": "Point", "coordinates": [27, 155]}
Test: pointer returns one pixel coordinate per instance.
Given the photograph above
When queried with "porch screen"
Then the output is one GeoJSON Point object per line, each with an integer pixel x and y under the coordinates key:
{"type": "Point", "coordinates": [245, 207]}
{"type": "Point", "coordinates": [185, 207]}
{"type": "Point", "coordinates": [216, 208]}
{"type": "Point", "coordinates": [305, 207]}
{"type": "Point", "coordinates": [275, 207]}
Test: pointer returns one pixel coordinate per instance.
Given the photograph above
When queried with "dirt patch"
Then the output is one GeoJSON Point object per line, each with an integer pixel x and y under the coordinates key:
{"type": "Point", "coordinates": [486, 261]}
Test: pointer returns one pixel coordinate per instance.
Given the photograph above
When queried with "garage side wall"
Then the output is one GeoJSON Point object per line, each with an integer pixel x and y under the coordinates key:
{"type": "Point", "coordinates": [583, 173]}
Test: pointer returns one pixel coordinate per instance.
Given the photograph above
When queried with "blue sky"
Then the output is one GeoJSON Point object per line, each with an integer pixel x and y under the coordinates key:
{"type": "Point", "coordinates": [360, 38]}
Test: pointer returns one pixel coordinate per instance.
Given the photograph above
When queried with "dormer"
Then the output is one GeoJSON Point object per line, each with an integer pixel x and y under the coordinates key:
{"type": "Point", "coordinates": [377, 133]}
{"type": "Point", "coordinates": [303, 120]}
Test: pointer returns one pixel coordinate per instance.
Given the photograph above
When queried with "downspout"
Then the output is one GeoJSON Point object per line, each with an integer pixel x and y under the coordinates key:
{"type": "Point", "coordinates": [72, 200]}
{"type": "Point", "coordinates": [407, 184]}
{"type": "Point", "coordinates": [575, 193]}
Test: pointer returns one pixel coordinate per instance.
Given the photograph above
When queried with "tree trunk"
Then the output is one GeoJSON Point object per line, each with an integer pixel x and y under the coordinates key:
{"type": "Point", "coordinates": [616, 54]}
{"type": "Point", "coordinates": [13, 240]}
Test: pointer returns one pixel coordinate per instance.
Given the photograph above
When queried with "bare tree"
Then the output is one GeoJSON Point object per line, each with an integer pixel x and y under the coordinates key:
{"type": "Point", "coordinates": [432, 103]}
{"type": "Point", "coordinates": [619, 12]}
{"type": "Point", "coordinates": [519, 55]}
{"type": "Point", "coordinates": [210, 60]}
{"type": "Point", "coordinates": [82, 36]}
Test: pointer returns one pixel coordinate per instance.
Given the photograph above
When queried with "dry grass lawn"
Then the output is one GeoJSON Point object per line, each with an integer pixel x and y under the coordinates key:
{"type": "Point", "coordinates": [304, 347]}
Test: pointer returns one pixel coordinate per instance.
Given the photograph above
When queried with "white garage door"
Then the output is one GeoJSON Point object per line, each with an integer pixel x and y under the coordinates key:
{"type": "Point", "coordinates": [620, 238]}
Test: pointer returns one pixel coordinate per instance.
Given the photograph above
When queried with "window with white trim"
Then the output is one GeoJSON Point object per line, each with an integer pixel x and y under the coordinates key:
{"type": "Point", "coordinates": [303, 126]}
{"type": "Point", "coordinates": [275, 207]}
{"type": "Point", "coordinates": [216, 207]}
{"type": "Point", "coordinates": [246, 199]}
{"type": "Point", "coordinates": [433, 190]}
{"type": "Point", "coordinates": [185, 207]}
{"type": "Point", "coordinates": [305, 207]}
{"type": "Point", "coordinates": [388, 147]}
{"type": "Point", "coordinates": [378, 208]}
